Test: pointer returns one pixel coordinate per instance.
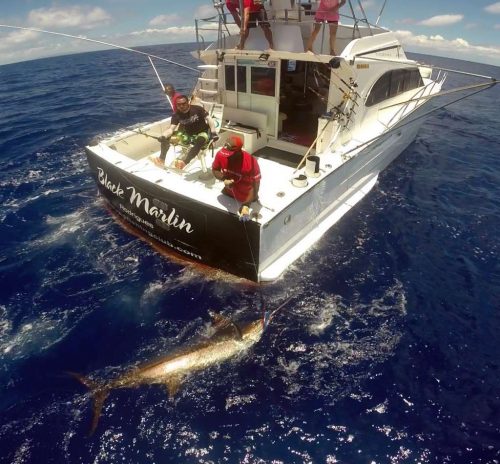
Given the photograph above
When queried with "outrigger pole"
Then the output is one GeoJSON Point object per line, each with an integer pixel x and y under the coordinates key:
{"type": "Point", "coordinates": [380, 14]}
{"type": "Point", "coordinates": [100, 42]}
{"type": "Point", "coordinates": [161, 83]}
{"type": "Point", "coordinates": [398, 126]}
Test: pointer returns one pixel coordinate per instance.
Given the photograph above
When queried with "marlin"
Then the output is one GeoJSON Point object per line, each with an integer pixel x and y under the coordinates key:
{"type": "Point", "coordinates": [228, 341]}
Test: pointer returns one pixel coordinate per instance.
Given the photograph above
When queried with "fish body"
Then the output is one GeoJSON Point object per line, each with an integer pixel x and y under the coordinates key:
{"type": "Point", "coordinates": [228, 341]}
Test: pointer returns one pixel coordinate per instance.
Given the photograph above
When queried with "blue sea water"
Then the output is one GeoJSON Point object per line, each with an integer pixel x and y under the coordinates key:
{"type": "Point", "coordinates": [387, 352]}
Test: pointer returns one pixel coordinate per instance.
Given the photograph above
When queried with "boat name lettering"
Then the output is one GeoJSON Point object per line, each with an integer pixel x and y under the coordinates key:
{"type": "Point", "coordinates": [103, 179]}
{"type": "Point", "coordinates": [171, 218]}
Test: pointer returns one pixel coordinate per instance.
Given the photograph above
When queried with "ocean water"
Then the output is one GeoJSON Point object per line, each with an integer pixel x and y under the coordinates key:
{"type": "Point", "coordinates": [387, 352]}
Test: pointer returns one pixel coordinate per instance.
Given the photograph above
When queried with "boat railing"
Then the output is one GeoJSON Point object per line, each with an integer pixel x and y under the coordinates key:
{"type": "Point", "coordinates": [219, 27]}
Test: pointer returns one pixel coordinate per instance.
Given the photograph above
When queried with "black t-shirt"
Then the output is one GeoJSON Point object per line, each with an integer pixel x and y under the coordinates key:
{"type": "Point", "coordinates": [193, 122]}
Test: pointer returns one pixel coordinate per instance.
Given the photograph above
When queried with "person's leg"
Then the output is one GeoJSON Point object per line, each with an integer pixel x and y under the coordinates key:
{"type": "Point", "coordinates": [243, 38]}
{"type": "Point", "coordinates": [268, 33]}
{"type": "Point", "coordinates": [199, 141]}
{"type": "Point", "coordinates": [314, 34]}
{"type": "Point", "coordinates": [333, 36]}
{"type": "Point", "coordinates": [164, 146]}
{"type": "Point", "coordinates": [236, 18]}
{"type": "Point", "coordinates": [246, 24]}
{"type": "Point", "coordinates": [235, 14]}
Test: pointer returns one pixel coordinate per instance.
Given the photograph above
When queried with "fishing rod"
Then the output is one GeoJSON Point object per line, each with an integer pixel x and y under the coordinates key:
{"type": "Point", "coordinates": [101, 43]}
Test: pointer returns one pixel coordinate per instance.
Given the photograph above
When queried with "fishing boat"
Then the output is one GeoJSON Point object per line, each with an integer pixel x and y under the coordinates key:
{"type": "Point", "coordinates": [322, 128]}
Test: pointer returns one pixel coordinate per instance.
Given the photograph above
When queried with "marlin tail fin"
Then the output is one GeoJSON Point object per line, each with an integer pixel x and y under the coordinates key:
{"type": "Point", "coordinates": [99, 395]}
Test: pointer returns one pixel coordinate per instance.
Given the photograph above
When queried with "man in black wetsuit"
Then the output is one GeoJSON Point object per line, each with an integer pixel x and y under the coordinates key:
{"type": "Point", "coordinates": [190, 124]}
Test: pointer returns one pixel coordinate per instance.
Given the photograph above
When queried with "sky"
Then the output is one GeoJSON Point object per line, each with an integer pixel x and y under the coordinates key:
{"type": "Point", "coordinates": [468, 30]}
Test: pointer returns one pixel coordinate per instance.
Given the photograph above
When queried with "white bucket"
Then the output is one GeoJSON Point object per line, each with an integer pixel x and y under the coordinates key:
{"type": "Point", "coordinates": [312, 166]}
{"type": "Point", "coordinates": [299, 181]}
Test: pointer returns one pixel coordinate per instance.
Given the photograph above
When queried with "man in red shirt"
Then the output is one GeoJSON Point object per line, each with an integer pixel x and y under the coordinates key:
{"type": "Point", "coordinates": [253, 13]}
{"type": "Point", "coordinates": [172, 95]}
{"type": "Point", "coordinates": [240, 172]}
{"type": "Point", "coordinates": [233, 6]}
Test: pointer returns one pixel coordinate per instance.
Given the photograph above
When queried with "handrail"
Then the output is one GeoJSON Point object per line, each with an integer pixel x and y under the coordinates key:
{"type": "Point", "coordinates": [220, 22]}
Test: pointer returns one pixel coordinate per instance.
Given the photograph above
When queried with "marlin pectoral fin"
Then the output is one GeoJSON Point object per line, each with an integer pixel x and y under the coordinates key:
{"type": "Point", "coordinates": [218, 320]}
{"type": "Point", "coordinates": [173, 386]}
{"type": "Point", "coordinates": [99, 398]}
{"type": "Point", "coordinates": [222, 323]}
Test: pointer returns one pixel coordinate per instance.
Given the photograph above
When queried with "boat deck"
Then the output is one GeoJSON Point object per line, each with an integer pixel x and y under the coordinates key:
{"type": "Point", "coordinates": [277, 192]}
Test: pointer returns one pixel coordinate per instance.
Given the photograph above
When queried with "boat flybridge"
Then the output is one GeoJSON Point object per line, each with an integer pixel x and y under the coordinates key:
{"type": "Point", "coordinates": [322, 128]}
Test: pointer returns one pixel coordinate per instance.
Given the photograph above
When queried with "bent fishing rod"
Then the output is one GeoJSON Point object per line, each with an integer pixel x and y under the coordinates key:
{"type": "Point", "coordinates": [32, 29]}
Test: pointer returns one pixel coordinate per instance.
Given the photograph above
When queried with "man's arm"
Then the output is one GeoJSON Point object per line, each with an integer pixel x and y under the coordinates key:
{"type": "Point", "coordinates": [168, 133]}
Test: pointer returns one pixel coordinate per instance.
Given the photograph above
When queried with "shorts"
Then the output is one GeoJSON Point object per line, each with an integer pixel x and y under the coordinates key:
{"type": "Point", "coordinates": [321, 21]}
{"type": "Point", "coordinates": [328, 16]}
{"type": "Point", "coordinates": [186, 139]}
{"type": "Point", "coordinates": [259, 17]}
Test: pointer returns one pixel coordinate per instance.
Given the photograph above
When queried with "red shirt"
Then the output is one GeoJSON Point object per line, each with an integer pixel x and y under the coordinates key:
{"type": "Point", "coordinates": [254, 7]}
{"type": "Point", "coordinates": [243, 169]}
{"type": "Point", "coordinates": [233, 5]}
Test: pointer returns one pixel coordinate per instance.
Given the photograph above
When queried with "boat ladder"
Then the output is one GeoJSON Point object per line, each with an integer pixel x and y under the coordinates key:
{"type": "Point", "coordinates": [207, 87]}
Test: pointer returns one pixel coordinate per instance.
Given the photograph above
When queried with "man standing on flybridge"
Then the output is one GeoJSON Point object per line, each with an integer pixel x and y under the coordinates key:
{"type": "Point", "coordinates": [253, 13]}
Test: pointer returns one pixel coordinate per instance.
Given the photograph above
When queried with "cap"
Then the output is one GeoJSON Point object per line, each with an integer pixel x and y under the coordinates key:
{"type": "Point", "coordinates": [234, 143]}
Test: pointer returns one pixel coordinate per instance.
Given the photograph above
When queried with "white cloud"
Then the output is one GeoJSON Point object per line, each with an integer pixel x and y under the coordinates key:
{"type": "Point", "coordinates": [165, 20]}
{"type": "Point", "coordinates": [176, 31]}
{"type": "Point", "coordinates": [75, 17]}
{"type": "Point", "coordinates": [442, 20]}
{"type": "Point", "coordinates": [17, 38]}
{"type": "Point", "coordinates": [456, 48]}
{"type": "Point", "coordinates": [205, 11]}
{"type": "Point", "coordinates": [493, 8]}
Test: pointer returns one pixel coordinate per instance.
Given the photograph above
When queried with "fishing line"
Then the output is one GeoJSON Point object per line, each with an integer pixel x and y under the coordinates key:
{"type": "Point", "coordinates": [102, 43]}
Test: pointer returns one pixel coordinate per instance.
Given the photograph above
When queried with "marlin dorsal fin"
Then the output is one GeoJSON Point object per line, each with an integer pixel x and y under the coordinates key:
{"type": "Point", "coordinates": [222, 323]}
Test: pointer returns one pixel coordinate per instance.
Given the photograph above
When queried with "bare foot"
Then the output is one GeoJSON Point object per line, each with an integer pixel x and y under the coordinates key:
{"type": "Point", "coordinates": [158, 162]}
{"type": "Point", "coordinates": [179, 164]}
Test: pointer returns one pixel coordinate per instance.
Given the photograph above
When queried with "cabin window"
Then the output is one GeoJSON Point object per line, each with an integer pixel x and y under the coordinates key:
{"type": "Point", "coordinates": [229, 77]}
{"type": "Point", "coordinates": [393, 83]}
{"type": "Point", "coordinates": [241, 78]}
{"type": "Point", "coordinates": [239, 81]}
{"type": "Point", "coordinates": [263, 81]}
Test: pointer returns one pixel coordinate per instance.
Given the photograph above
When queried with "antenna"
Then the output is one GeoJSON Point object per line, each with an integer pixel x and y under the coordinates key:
{"type": "Point", "coordinates": [380, 14]}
